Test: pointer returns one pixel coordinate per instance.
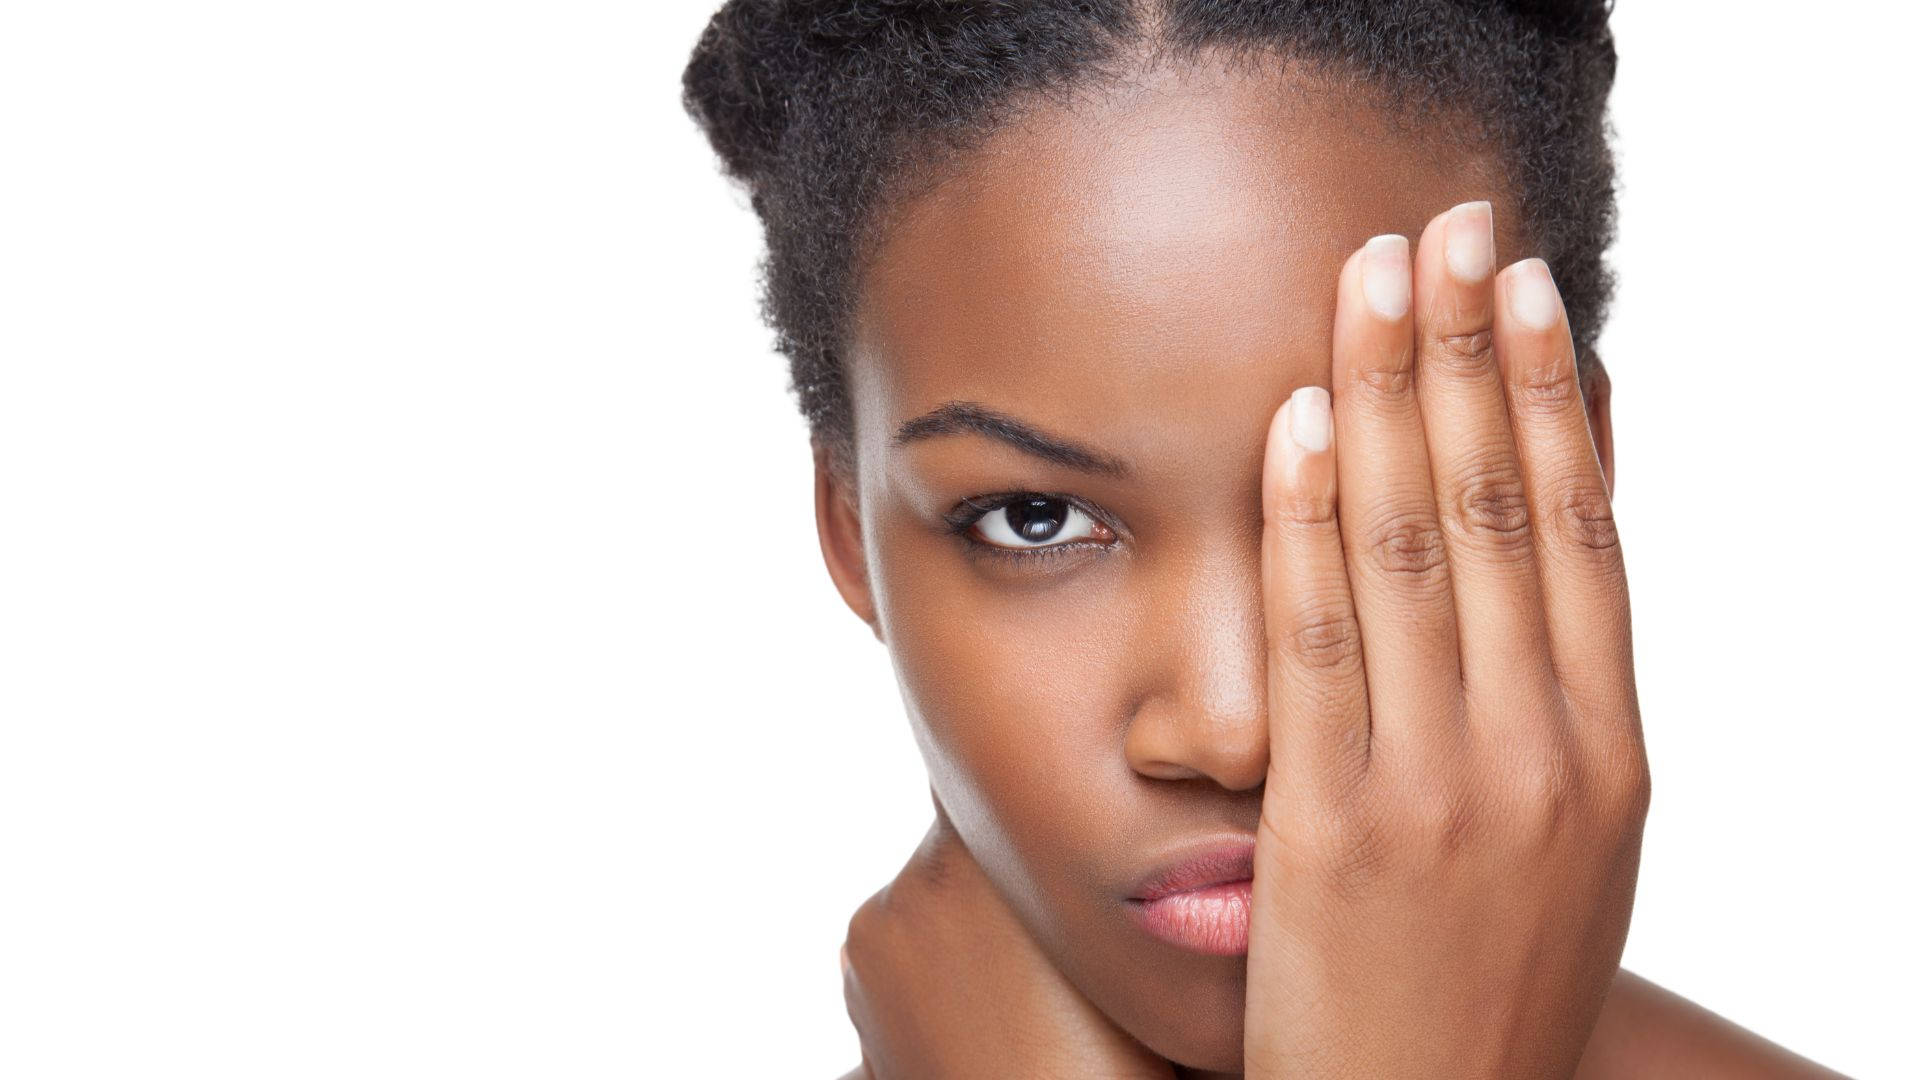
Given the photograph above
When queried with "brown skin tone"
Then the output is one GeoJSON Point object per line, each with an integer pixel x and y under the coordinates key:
{"type": "Point", "coordinates": [1152, 277]}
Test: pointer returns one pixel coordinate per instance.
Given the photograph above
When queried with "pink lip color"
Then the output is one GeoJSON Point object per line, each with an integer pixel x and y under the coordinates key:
{"type": "Point", "coordinates": [1204, 903]}
{"type": "Point", "coordinates": [1213, 920]}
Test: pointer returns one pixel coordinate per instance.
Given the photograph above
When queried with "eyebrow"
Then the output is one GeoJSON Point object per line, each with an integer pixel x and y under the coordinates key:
{"type": "Point", "coordinates": [956, 417]}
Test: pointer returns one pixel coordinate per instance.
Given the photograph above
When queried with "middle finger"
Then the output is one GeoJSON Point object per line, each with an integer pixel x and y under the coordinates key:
{"type": "Point", "coordinates": [1396, 557]}
{"type": "Point", "coordinates": [1476, 467]}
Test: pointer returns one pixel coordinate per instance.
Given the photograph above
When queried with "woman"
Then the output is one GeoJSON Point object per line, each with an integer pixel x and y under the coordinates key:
{"type": "Point", "coordinates": [1206, 416]}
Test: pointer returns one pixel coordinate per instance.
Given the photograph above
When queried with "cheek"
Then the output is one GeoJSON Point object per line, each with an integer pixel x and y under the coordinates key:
{"type": "Point", "coordinates": [1020, 691]}
{"type": "Point", "coordinates": [1017, 694]}
{"type": "Point", "coordinates": [1022, 719]}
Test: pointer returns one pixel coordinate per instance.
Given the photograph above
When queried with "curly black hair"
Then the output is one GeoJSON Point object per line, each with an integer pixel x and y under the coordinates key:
{"type": "Point", "coordinates": [834, 113]}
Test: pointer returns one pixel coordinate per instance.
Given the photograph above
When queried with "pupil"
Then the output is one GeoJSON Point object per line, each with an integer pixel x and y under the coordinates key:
{"type": "Point", "coordinates": [1036, 519]}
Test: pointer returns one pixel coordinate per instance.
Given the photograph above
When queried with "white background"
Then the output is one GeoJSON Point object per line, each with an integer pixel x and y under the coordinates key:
{"type": "Point", "coordinates": [415, 653]}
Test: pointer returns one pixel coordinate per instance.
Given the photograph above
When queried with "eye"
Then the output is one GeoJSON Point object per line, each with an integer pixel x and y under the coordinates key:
{"type": "Point", "coordinates": [1026, 522]}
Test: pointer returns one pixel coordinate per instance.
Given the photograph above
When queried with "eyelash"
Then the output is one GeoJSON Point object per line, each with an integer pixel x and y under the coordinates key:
{"type": "Point", "coordinates": [961, 519]}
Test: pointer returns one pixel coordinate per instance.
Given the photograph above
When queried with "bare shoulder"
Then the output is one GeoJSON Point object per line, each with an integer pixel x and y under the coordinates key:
{"type": "Point", "coordinates": [1649, 1032]}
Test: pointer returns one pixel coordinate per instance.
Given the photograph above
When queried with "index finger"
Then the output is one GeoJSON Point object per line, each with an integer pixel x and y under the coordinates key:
{"type": "Point", "coordinates": [1317, 712]}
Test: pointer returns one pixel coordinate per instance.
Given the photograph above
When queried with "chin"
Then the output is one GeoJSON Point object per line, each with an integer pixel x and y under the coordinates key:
{"type": "Point", "coordinates": [1204, 1028]}
{"type": "Point", "coordinates": [1189, 1009]}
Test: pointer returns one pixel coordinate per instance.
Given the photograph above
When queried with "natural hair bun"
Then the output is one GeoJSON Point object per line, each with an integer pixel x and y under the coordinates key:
{"type": "Point", "coordinates": [734, 85]}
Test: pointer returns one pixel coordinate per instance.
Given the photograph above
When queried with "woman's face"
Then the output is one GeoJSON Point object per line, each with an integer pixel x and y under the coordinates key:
{"type": "Point", "coordinates": [1143, 282]}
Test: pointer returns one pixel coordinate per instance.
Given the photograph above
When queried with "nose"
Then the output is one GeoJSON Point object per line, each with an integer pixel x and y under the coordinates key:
{"type": "Point", "coordinates": [1201, 668]}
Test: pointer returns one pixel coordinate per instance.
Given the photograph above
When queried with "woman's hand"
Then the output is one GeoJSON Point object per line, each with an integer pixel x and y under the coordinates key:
{"type": "Point", "coordinates": [1450, 833]}
{"type": "Point", "coordinates": [942, 980]}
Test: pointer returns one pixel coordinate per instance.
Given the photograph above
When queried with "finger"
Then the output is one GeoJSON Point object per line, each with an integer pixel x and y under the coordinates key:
{"type": "Point", "coordinates": [1583, 578]}
{"type": "Point", "coordinates": [1396, 557]}
{"type": "Point", "coordinates": [1316, 678]}
{"type": "Point", "coordinates": [1477, 478]}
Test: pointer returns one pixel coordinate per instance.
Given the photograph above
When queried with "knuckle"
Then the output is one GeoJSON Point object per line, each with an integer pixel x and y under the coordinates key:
{"type": "Point", "coordinates": [1464, 354]}
{"type": "Point", "coordinates": [1627, 779]}
{"type": "Point", "coordinates": [1640, 790]}
{"type": "Point", "coordinates": [1633, 794]}
{"type": "Point", "coordinates": [1548, 388]}
{"type": "Point", "coordinates": [1586, 519]}
{"type": "Point", "coordinates": [1386, 380]}
{"type": "Point", "coordinates": [1326, 636]}
{"type": "Point", "coordinates": [1546, 791]}
{"type": "Point", "coordinates": [1294, 509]}
{"type": "Point", "coordinates": [1491, 507]}
{"type": "Point", "coordinates": [864, 926]}
{"type": "Point", "coordinates": [1408, 546]}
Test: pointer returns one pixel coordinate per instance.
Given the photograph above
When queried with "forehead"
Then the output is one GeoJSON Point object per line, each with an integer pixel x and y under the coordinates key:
{"type": "Point", "coordinates": [1153, 269]}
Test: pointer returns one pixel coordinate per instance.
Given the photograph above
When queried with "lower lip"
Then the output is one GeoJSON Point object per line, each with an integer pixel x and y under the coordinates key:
{"type": "Point", "coordinates": [1213, 920]}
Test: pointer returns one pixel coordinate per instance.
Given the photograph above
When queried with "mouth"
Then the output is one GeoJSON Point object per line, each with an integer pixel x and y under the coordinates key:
{"type": "Point", "coordinates": [1201, 900]}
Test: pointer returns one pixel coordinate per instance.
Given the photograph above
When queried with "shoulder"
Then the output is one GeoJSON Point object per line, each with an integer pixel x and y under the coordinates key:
{"type": "Point", "coordinates": [1647, 1031]}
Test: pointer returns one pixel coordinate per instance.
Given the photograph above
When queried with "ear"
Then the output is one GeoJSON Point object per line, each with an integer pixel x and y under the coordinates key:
{"type": "Point", "coordinates": [836, 515]}
{"type": "Point", "coordinates": [1597, 388]}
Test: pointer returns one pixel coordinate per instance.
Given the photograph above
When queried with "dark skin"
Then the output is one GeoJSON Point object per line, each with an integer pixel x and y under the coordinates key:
{"type": "Point", "coordinates": [1150, 278]}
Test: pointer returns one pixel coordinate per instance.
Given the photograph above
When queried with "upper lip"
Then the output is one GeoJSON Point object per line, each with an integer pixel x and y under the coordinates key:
{"type": "Point", "coordinates": [1196, 867]}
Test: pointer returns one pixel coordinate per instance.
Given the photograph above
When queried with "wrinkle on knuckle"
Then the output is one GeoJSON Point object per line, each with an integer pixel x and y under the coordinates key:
{"type": "Point", "coordinates": [1408, 546]}
{"type": "Point", "coordinates": [1293, 509]}
{"type": "Point", "coordinates": [1385, 382]}
{"type": "Point", "coordinates": [1462, 353]}
{"type": "Point", "coordinates": [1546, 389]}
{"type": "Point", "coordinates": [1586, 518]}
{"type": "Point", "coordinates": [1325, 637]}
{"type": "Point", "coordinates": [1491, 507]}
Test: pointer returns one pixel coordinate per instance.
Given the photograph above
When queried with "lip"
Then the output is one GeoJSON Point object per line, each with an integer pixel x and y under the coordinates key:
{"type": "Point", "coordinates": [1197, 868]}
{"type": "Point", "coordinates": [1200, 899]}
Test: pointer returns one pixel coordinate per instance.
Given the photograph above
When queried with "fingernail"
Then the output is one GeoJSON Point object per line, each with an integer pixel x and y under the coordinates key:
{"type": "Point", "coordinates": [1531, 295]}
{"type": "Point", "coordinates": [1386, 275]}
{"type": "Point", "coordinates": [1310, 418]}
{"type": "Point", "coordinates": [844, 965]}
{"type": "Point", "coordinates": [1469, 241]}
